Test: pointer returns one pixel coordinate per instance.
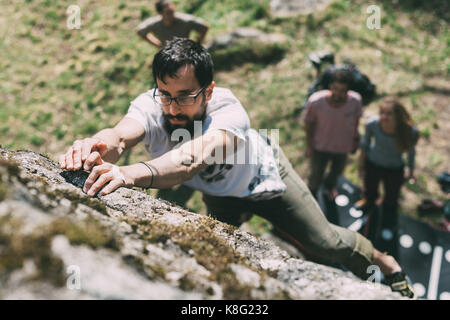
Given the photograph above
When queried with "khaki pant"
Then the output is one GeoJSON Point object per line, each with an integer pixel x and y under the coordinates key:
{"type": "Point", "coordinates": [297, 213]}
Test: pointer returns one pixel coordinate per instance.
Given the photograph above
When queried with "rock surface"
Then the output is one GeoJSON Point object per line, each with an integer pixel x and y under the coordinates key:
{"type": "Point", "coordinates": [227, 40]}
{"type": "Point", "coordinates": [56, 243]}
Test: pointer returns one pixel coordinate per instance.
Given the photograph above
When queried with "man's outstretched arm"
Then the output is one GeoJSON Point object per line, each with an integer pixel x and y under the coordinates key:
{"type": "Point", "coordinates": [172, 168]}
{"type": "Point", "coordinates": [106, 145]}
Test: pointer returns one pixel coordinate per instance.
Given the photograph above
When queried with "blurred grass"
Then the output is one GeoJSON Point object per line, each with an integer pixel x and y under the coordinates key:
{"type": "Point", "coordinates": [58, 85]}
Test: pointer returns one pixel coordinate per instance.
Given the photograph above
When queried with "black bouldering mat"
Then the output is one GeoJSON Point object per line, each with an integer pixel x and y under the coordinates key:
{"type": "Point", "coordinates": [422, 251]}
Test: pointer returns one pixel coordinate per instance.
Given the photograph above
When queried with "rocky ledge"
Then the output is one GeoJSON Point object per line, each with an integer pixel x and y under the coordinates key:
{"type": "Point", "coordinates": [57, 243]}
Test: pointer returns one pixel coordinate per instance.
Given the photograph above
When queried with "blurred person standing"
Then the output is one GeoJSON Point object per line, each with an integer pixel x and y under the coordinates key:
{"type": "Point", "coordinates": [331, 120]}
{"type": "Point", "coordinates": [158, 30]}
{"type": "Point", "coordinates": [388, 137]}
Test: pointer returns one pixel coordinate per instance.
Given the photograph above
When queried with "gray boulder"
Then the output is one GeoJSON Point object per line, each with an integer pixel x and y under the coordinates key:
{"type": "Point", "coordinates": [246, 45]}
{"type": "Point", "coordinates": [57, 243]}
{"type": "Point", "coordinates": [286, 8]}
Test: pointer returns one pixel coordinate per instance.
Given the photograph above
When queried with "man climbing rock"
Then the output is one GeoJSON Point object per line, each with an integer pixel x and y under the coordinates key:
{"type": "Point", "coordinates": [239, 171]}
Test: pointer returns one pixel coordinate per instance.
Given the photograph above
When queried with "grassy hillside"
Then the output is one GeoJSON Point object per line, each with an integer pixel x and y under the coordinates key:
{"type": "Point", "coordinates": [58, 85]}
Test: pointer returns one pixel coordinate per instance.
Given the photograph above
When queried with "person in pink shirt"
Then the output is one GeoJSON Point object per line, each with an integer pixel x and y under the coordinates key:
{"type": "Point", "coordinates": [331, 120]}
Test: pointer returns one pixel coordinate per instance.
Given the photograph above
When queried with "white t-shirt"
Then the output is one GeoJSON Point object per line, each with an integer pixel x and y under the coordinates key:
{"type": "Point", "coordinates": [255, 176]}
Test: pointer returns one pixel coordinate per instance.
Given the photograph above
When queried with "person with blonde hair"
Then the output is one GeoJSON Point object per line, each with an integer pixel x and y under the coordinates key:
{"type": "Point", "coordinates": [388, 138]}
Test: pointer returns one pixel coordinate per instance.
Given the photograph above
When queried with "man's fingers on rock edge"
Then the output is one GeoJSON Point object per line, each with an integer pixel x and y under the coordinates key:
{"type": "Point", "coordinates": [69, 159]}
{"type": "Point", "coordinates": [93, 176]}
{"type": "Point", "coordinates": [93, 159]}
{"type": "Point", "coordinates": [77, 155]}
{"type": "Point", "coordinates": [86, 148]}
{"type": "Point", "coordinates": [62, 161]}
{"type": "Point", "coordinates": [113, 185]}
{"type": "Point", "coordinates": [104, 178]}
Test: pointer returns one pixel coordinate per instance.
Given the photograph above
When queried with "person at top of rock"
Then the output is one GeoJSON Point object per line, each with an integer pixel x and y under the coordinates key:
{"type": "Point", "coordinates": [168, 24]}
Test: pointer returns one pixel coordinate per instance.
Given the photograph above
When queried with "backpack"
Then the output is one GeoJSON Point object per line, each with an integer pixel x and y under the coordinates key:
{"type": "Point", "coordinates": [361, 83]}
{"type": "Point", "coordinates": [444, 181]}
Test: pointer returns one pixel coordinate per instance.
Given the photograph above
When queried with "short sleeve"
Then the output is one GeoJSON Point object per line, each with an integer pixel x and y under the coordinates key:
{"type": "Point", "coordinates": [412, 151]}
{"type": "Point", "coordinates": [136, 113]}
{"type": "Point", "coordinates": [357, 100]}
{"type": "Point", "coordinates": [233, 119]}
{"type": "Point", "coordinates": [359, 110]}
{"type": "Point", "coordinates": [192, 22]}
{"type": "Point", "coordinates": [198, 25]}
{"type": "Point", "coordinates": [143, 110]}
{"type": "Point", "coordinates": [309, 115]}
{"type": "Point", "coordinates": [227, 113]}
{"type": "Point", "coordinates": [147, 26]}
{"type": "Point", "coordinates": [368, 134]}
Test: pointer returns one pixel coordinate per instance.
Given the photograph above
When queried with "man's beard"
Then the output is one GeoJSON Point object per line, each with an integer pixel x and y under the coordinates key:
{"type": "Point", "coordinates": [189, 126]}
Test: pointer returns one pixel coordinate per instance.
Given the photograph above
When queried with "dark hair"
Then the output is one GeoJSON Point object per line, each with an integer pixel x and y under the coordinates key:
{"type": "Point", "coordinates": [342, 76]}
{"type": "Point", "coordinates": [404, 133]}
{"type": "Point", "coordinates": [180, 52]}
{"type": "Point", "coordinates": [161, 4]}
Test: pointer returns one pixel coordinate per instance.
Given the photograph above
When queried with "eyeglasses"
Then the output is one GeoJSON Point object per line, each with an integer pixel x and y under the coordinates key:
{"type": "Point", "coordinates": [163, 100]}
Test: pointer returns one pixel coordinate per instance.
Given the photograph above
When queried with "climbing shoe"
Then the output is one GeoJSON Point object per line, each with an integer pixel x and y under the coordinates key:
{"type": "Point", "coordinates": [400, 282]}
{"type": "Point", "coordinates": [364, 205]}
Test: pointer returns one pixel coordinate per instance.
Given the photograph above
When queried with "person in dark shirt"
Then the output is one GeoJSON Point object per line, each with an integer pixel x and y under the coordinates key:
{"type": "Point", "coordinates": [158, 30]}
